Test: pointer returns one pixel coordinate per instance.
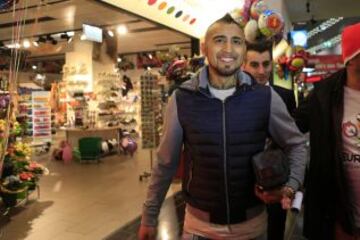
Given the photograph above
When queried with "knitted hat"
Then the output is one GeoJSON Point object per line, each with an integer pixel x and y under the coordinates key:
{"type": "Point", "coordinates": [350, 42]}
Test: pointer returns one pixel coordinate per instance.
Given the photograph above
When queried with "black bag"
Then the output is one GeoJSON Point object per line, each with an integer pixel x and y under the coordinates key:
{"type": "Point", "coordinates": [271, 168]}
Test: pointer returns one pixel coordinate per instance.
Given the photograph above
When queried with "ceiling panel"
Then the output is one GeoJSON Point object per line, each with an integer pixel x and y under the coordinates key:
{"type": "Point", "coordinates": [71, 14]}
{"type": "Point", "coordinates": [322, 9]}
{"type": "Point", "coordinates": [129, 43]}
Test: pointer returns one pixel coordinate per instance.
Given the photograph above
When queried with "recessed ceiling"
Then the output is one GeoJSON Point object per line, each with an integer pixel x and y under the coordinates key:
{"type": "Point", "coordinates": [69, 15]}
{"type": "Point", "coordinates": [321, 9]}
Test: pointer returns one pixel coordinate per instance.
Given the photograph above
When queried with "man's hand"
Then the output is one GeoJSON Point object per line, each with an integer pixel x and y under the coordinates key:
{"type": "Point", "coordinates": [147, 233]}
{"type": "Point", "coordinates": [284, 195]}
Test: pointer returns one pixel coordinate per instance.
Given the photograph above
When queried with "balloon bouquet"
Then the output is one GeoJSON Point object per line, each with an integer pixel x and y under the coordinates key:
{"type": "Point", "coordinates": [259, 22]}
{"type": "Point", "coordinates": [263, 24]}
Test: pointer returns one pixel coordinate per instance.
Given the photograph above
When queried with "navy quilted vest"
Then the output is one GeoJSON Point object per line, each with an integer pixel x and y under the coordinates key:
{"type": "Point", "coordinates": [219, 140]}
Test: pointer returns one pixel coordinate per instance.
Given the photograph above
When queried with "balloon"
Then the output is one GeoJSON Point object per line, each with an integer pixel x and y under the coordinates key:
{"type": "Point", "coordinates": [251, 31]}
{"type": "Point", "coordinates": [257, 8]}
{"type": "Point", "coordinates": [296, 63]}
{"type": "Point", "coordinates": [131, 148]}
{"type": "Point", "coordinates": [238, 15]}
{"type": "Point", "coordinates": [270, 23]}
{"type": "Point", "coordinates": [67, 153]}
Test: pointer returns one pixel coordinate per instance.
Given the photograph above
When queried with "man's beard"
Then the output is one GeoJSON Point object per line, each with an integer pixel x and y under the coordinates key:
{"type": "Point", "coordinates": [224, 71]}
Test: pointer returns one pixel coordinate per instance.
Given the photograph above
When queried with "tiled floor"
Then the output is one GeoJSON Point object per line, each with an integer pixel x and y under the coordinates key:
{"type": "Point", "coordinates": [81, 201]}
{"type": "Point", "coordinates": [92, 202]}
{"type": "Point", "coordinates": [170, 221]}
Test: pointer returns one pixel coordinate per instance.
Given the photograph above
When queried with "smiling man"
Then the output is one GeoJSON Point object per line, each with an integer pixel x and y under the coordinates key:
{"type": "Point", "coordinates": [221, 118]}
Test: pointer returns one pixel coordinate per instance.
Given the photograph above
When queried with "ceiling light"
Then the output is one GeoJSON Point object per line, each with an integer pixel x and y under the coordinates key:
{"type": "Point", "coordinates": [111, 33]}
{"type": "Point", "coordinates": [122, 30]}
{"type": "Point", "coordinates": [13, 45]}
{"type": "Point", "coordinates": [34, 67]}
{"type": "Point", "coordinates": [119, 59]}
{"type": "Point", "coordinates": [26, 43]}
{"type": "Point", "coordinates": [150, 56]}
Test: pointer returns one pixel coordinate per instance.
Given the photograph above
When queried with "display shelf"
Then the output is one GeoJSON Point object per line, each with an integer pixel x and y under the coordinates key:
{"type": "Point", "coordinates": [41, 116]}
{"type": "Point", "coordinates": [151, 117]}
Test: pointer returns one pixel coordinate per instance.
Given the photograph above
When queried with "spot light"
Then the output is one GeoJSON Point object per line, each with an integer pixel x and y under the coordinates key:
{"type": "Point", "coordinates": [122, 30]}
{"type": "Point", "coordinates": [26, 43]}
{"type": "Point", "coordinates": [110, 33]}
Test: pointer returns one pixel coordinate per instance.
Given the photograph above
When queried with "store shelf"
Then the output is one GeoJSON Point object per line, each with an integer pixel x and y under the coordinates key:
{"type": "Point", "coordinates": [41, 116]}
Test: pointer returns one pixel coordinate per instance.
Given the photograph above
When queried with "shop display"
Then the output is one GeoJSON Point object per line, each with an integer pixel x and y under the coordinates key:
{"type": "Point", "coordinates": [108, 94]}
{"type": "Point", "coordinates": [25, 110]}
{"type": "Point", "coordinates": [117, 101]}
{"type": "Point", "coordinates": [41, 116]}
{"type": "Point", "coordinates": [151, 111]}
{"type": "Point", "coordinates": [19, 174]}
{"type": "Point", "coordinates": [61, 114]}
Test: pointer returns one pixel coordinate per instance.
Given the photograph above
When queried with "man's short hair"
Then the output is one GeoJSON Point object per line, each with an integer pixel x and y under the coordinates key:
{"type": "Point", "coordinates": [227, 19]}
{"type": "Point", "coordinates": [260, 47]}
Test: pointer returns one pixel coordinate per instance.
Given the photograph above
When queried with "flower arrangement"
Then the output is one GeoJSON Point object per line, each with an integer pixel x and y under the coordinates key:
{"type": "Point", "coordinates": [36, 168]}
{"type": "Point", "coordinates": [22, 150]}
{"type": "Point", "coordinates": [16, 129]}
{"type": "Point", "coordinates": [2, 125]}
{"type": "Point", "coordinates": [19, 174]}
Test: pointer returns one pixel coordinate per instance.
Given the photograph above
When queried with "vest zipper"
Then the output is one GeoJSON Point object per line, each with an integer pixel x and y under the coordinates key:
{"type": "Point", "coordinates": [225, 168]}
{"type": "Point", "coordinates": [190, 177]}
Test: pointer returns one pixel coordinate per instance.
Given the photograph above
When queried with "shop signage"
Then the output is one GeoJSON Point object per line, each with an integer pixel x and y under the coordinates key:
{"type": "Point", "coordinates": [326, 62]}
{"type": "Point", "coordinates": [324, 65]}
{"type": "Point", "coordinates": [191, 17]}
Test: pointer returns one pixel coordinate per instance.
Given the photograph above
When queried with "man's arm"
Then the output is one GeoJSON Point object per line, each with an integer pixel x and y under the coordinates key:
{"type": "Point", "coordinates": [168, 155]}
{"type": "Point", "coordinates": [285, 133]}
